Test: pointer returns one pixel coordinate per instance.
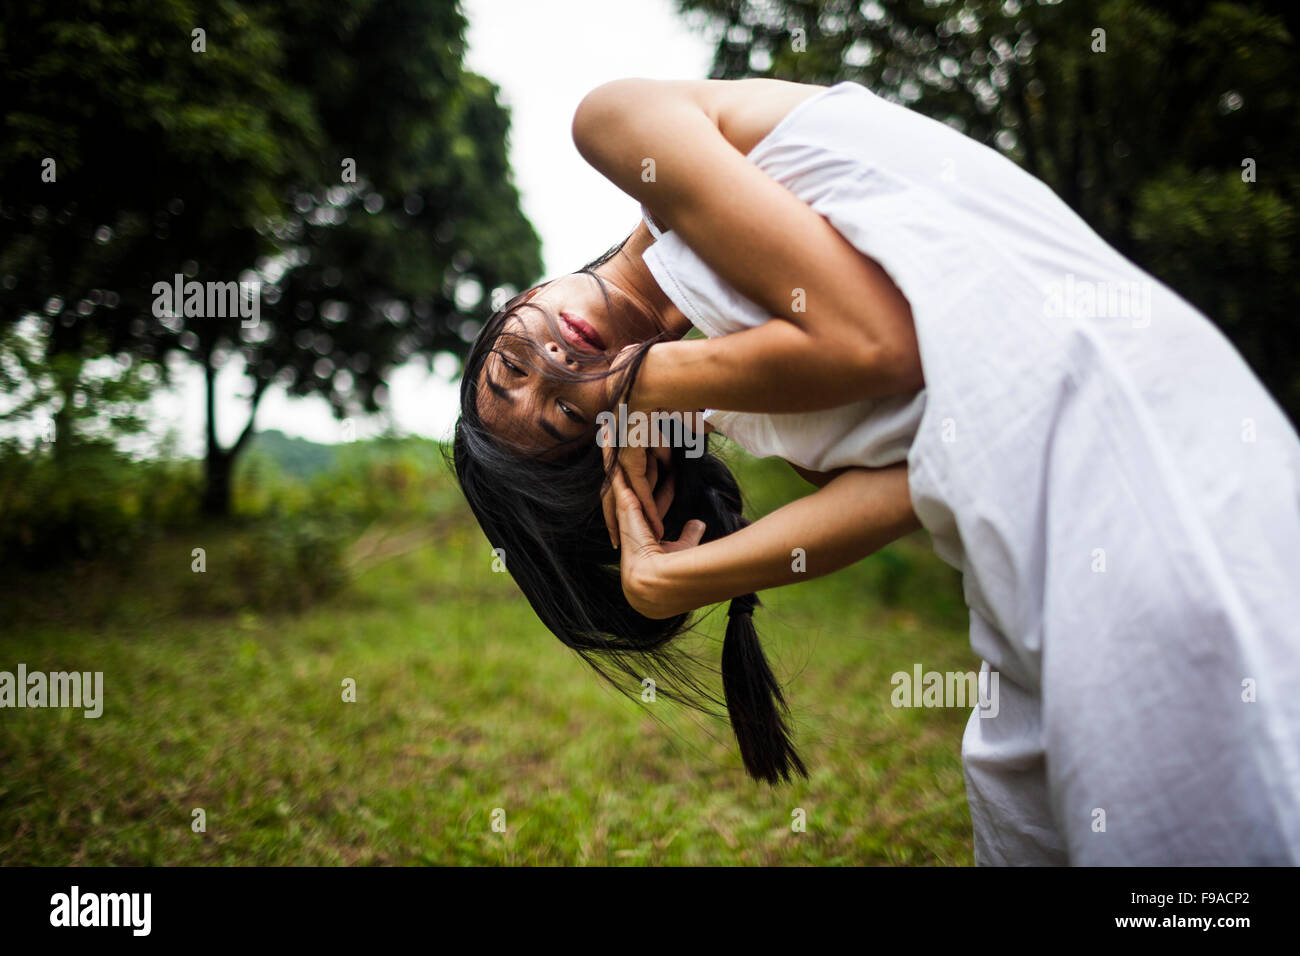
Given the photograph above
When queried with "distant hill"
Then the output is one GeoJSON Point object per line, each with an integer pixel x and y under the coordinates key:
{"type": "Point", "coordinates": [297, 457]}
{"type": "Point", "coordinates": [300, 458]}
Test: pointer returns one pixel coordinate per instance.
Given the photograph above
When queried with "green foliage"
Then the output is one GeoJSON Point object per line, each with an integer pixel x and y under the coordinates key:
{"type": "Point", "coordinates": [1211, 237]}
{"type": "Point", "coordinates": [69, 397]}
{"type": "Point", "coordinates": [87, 500]}
{"type": "Point", "coordinates": [277, 564]}
{"type": "Point", "coordinates": [292, 540]}
{"type": "Point", "coordinates": [296, 457]}
{"type": "Point", "coordinates": [338, 153]}
{"type": "Point", "coordinates": [1146, 140]}
{"type": "Point", "coordinates": [393, 479]}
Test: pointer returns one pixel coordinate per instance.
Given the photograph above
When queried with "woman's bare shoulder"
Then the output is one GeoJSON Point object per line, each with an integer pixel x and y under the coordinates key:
{"type": "Point", "coordinates": [743, 110]}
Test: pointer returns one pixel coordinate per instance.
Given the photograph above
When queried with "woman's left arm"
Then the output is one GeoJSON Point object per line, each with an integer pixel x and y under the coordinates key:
{"type": "Point", "coordinates": [857, 512]}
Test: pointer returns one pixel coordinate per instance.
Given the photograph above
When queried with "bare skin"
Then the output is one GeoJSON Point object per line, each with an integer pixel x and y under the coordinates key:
{"type": "Point", "coordinates": [854, 341]}
{"type": "Point", "coordinates": [536, 411]}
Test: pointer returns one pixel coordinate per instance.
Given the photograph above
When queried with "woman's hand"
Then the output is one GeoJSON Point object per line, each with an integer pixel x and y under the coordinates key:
{"type": "Point", "coordinates": [641, 472]}
{"type": "Point", "coordinates": [643, 553]}
{"type": "Point", "coordinates": [641, 469]}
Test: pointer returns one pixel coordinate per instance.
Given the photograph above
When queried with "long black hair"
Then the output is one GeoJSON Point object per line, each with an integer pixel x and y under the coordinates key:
{"type": "Point", "coordinates": [543, 513]}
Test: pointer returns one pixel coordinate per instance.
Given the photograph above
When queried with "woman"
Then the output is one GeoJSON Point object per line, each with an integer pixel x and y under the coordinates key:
{"type": "Point", "coordinates": [929, 334]}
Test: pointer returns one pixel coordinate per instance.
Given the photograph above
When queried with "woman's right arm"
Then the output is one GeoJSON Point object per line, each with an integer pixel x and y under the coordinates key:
{"type": "Point", "coordinates": [772, 368]}
{"type": "Point", "coordinates": [846, 332]}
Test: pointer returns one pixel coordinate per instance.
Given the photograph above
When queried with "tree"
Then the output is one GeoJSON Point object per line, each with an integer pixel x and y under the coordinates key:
{"type": "Point", "coordinates": [335, 154]}
{"type": "Point", "coordinates": [1141, 116]}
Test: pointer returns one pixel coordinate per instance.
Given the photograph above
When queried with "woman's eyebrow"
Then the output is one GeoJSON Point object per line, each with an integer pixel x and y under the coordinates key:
{"type": "Point", "coordinates": [497, 390]}
{"type": "Point", "coordinates": [553, 431]}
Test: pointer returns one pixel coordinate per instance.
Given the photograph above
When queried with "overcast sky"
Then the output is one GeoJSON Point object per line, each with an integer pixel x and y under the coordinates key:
{"type": "Point", "coordinates": [545, 55]}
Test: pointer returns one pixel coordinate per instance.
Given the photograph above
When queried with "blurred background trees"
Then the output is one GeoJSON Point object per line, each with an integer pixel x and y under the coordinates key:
{"type": "Point", "coordinates": [336, 152]}
{"type": "Point", "coordinates": [1145, 136]}
{"type": "Point", "coordinates": [342, 156]}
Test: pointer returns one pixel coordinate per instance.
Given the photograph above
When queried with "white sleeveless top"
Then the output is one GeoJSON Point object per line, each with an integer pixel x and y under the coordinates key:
{"type": "Point", "coordinates": [872, 433]}
{"type": "Point", "coordinates": [1119, 491]}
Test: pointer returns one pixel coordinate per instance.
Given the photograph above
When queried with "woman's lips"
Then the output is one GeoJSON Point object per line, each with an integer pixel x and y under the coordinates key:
{"type": "Point", "coordinates": [580, 334]}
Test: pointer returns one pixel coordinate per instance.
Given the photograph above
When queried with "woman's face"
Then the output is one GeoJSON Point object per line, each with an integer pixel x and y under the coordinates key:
{"type": "Point", "coordinates": [521, 404]}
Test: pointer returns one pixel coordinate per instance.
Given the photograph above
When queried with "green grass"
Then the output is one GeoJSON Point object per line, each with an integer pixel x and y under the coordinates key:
{"type": "Point", "coordinates": [466, 704]}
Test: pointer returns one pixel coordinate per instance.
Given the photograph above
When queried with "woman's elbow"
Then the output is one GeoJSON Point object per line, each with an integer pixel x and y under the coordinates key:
{"type": "Point", "coordinates": [600, 113]}
{"type": "Point", "coordinates": [891, 361]}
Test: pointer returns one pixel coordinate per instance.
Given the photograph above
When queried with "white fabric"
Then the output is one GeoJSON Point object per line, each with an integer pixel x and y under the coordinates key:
{"type": "Point", "coordinates": [1119, 491]}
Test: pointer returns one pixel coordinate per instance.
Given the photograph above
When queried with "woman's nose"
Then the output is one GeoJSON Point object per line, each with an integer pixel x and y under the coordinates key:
{"type": "Point", "coordinates": [555, 350]}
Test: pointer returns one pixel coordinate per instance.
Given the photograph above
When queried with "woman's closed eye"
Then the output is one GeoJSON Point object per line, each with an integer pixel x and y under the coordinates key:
{"type": "Point", "coordinates": [570, 413]}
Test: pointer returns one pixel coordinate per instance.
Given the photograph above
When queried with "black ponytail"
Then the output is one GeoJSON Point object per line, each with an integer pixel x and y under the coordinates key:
{"type": "Point", "coordinates": [755, 703]}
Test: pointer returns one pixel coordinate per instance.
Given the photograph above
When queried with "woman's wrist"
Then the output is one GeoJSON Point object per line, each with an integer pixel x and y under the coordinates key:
{"type": "Point", "coordinates": [650, 586]}
{"type": "Point", "coordinates": [665, 377]}
{"type": "Point", "coordinates": [636, 398]}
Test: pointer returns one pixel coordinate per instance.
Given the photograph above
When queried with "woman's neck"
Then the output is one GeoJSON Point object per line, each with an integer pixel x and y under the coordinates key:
{"type": "Point", "coordinates": [628, 272]}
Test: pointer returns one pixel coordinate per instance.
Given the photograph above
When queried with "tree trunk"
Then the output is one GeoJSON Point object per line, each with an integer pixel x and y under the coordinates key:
{"type": "Point", "coordinates": [219, 463]}
{"type": "Point", "coordinates": [217, 468]}
{"type": "Point", "coordinates": [65, 419]}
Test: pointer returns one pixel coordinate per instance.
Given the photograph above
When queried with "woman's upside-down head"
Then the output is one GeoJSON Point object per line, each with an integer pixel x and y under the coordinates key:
{"type": "Point", "coordinates": [529, 464]}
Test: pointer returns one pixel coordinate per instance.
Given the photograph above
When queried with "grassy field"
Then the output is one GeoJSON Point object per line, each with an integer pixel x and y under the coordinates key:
{"type": "Point", "coordinates": [465, 704]}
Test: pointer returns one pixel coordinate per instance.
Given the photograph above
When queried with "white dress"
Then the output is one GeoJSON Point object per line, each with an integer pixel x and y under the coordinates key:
{"type": "Point", "coordinates": [1120, 493]}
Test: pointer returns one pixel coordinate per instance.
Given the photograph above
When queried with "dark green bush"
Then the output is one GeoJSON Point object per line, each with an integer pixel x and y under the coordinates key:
{"type": "Point", "coordinates": [87, 500]}
{"type": "Point", "coordinates": [276, 563]}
